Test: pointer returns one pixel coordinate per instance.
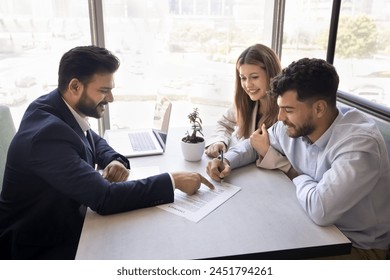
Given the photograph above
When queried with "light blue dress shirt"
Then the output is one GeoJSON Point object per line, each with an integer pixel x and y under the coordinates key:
{"type": "Point", "coordinates": [344, 176]}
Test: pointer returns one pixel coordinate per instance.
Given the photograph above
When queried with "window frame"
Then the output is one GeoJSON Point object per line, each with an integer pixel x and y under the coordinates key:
{"type": "Point", "coordinates": [367, 106]}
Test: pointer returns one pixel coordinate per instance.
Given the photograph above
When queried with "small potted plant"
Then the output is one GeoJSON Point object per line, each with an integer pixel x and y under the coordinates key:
{"type": "Point", "coordinates": [193, 145]}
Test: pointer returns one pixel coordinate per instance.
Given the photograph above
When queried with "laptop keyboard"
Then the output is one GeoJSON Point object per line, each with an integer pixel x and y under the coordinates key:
{"type": "Point", "coordinates": [141, 141]}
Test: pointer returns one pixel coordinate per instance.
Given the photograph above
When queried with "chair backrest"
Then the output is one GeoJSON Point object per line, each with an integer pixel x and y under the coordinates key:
{"type": "Point", "coordinates": [7, 132]}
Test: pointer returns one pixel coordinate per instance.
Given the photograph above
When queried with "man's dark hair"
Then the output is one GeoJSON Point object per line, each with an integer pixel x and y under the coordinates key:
{"type": "Point", "coordinates": [313, 79]}
{"type": "Point", "coordinates": [83, 62]}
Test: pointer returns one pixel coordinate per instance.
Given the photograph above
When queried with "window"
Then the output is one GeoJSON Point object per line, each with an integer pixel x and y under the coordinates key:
{"type": "Point", "coordinates": [362, 55]}
{"type": "Point", "coordinates": [32, 41]}
{"type": "Point", "coordinates": [306, 29]}
{"type": "Point", "coordinates": [186, 49]}
{"type": "Point", "coordinates": [362, 50]}
{"type": "Point", "coordinates": [183, 49]}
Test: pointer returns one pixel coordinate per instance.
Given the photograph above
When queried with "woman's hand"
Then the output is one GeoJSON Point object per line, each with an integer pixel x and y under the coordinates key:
{"type": "Point", "coordinates": [215, 149]}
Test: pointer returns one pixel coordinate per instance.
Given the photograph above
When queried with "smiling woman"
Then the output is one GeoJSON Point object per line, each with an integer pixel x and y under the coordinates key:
{"type": "Point", "coordinates": [252, 107]}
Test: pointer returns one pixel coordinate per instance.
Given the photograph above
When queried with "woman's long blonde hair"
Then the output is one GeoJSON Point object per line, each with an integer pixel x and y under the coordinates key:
{"type": "Point", "coordinates": [267, 59]}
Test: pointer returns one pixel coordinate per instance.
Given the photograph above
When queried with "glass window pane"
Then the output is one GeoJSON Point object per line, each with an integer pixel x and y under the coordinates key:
{"type": "Point", "coordinates": [306, 29]}
{"type": "Point", "coordinates": [183, 49]}
{"type": "Point", "coordinates": [33, 37]}
{"type": "Point", "coordinates": [362, 50]}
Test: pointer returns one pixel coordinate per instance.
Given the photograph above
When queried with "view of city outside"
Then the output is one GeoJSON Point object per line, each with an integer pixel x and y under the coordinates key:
{"type": "Point", "coordinates": [33, 37]}
{"type": "Point", "coordinates": [185, 49]}
{"type": "Point", "coordinates": [182, 49]}
{"type": "Point", "coordinates": [305, 30]}
{"type": "Point", "coordinates": [363, 49]}
{"type": "Point", "coordinates": [363, 42]}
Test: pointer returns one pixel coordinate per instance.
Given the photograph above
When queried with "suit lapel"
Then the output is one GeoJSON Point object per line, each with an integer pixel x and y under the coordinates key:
{"type": "Point", "coordinates": [91, 143]}
{"type": "Point", "coordinates": [66, 115]}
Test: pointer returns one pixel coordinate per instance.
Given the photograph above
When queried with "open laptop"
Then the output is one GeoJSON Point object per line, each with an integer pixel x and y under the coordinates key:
{"type": "Point", "coordinates": [143, 142]}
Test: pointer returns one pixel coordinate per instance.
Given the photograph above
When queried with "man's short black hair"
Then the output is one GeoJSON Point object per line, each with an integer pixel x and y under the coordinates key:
{"type": "Point", "coordinates": [83, 62]}
{"type": "Point", "coordinates": [313, 79]}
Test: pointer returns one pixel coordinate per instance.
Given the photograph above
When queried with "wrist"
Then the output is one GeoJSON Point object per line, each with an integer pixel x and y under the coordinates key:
{"type": "Point", "coordinates": [292, 173]}
{"type": "Point", "coordinates": [124, 163]}
{"type": "Point", "coordinates": [264, 150]}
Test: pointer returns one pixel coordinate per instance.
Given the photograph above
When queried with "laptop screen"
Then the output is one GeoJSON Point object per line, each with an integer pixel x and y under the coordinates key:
{"type": "Point", "coordinates": [124, 141]}
{"type": "Point", "coordinates": [162, 113]}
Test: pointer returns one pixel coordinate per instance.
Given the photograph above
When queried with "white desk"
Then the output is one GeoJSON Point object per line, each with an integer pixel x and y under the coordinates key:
{"type": "Point", "coordinates": [262, 221]}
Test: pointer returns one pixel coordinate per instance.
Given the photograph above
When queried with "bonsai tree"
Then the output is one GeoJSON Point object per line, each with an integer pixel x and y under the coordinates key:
{"type": "Point", "coordinates": [196, 126]}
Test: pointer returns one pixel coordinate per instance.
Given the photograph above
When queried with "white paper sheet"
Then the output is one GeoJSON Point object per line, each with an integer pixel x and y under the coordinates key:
{"type": "Point", "coordinates": [203, 202]}
{"type": "Point", "coordinates": [192, 207]}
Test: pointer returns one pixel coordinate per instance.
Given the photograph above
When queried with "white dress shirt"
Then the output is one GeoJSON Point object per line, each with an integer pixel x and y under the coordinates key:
{"type": "Point", "coordinates": [84, 124]}
{"type": "Point", "coordinates": [344, 177]}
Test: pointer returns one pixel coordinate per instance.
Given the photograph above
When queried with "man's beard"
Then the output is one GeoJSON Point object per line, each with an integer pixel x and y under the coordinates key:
{"type": "Point", "coordinates": [305, 129]}
{"type": "Point", "coordinates": [87, 107]}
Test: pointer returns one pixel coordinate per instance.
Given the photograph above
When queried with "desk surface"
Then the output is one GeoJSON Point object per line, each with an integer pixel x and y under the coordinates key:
{"type": "Point", "coordinates": [262, 221]}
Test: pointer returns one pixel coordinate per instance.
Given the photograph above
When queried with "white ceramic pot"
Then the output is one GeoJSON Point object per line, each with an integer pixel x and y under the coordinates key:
{"type": "Point", "coordinates": [192, 151]}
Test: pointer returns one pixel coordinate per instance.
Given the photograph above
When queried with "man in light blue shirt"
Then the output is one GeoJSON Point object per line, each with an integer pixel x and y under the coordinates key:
{"type": "Point", "coordinates": [336, 158]}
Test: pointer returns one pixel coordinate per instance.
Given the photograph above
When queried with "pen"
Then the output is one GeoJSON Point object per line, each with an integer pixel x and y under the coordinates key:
{"type": "Point", "coordinates": [221, 158]}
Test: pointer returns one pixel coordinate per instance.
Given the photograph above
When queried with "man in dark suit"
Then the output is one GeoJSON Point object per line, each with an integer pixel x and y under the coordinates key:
{"type": "Point", "coordinates": [50, 175]}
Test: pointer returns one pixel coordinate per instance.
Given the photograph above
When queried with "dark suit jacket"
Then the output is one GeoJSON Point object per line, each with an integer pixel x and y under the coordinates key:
{"type": "Point", "coordinates": [49, 179]}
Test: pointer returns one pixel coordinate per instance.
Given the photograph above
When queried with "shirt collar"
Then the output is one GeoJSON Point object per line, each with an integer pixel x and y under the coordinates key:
{"type": "Point", "coordinates": [83, 122]}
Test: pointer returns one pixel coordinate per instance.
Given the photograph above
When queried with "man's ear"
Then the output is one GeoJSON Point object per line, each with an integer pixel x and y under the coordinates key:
{"type": "Point", "coordinates": [75, 86]}
{"type": "Point", "coordinates": [320, 107]}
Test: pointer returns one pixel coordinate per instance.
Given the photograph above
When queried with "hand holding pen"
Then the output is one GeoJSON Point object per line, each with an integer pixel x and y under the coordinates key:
{"type": "Point", "coordinates": [218, 168]}
{"type": "Point", "coordinates": [221, 157]}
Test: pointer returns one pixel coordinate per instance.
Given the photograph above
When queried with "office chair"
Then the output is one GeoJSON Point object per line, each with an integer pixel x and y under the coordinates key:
{"type": "Point", "coordinates": [7, 132]}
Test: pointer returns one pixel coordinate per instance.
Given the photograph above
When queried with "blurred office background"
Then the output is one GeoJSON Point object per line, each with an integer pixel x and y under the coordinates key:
{"type": "Point", "coordinates": [186, 49]}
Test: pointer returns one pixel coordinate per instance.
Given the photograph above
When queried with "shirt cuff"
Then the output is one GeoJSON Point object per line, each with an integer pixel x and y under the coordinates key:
{"type": "Point", "coordinates": [173, 181]}
{"type": "Point", "coordinates": [126, 164]}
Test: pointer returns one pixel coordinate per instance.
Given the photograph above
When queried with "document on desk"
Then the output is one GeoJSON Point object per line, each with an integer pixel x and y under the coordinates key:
{"type": "Point", "coordinates": [203, 202]}
{"type": "Point", "coordinates": [193, 207]}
